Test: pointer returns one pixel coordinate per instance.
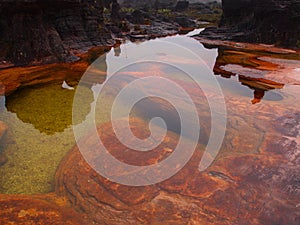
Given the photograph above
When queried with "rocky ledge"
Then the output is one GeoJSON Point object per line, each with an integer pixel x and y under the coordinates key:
{"type": "Point", "coordinates": [39, 32]}
{"type": "Point", "coordinates": [266, 21]}
{"type": "Point", "coordinates": [238, 189]}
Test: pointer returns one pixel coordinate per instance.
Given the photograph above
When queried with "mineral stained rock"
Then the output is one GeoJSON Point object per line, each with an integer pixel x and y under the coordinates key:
{"type": "Point", "coordinates": [248, 189]}
{"type": "Point", "coordinates": [35, 210]}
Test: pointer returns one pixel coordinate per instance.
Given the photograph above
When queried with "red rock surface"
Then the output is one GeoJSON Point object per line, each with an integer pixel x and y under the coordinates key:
{"type": "Point", "coordinates": [255, 188]}
{"type": "Point", "coordinates": [20, 77]}
{"type": "Point", "coordinates": [34, 210]}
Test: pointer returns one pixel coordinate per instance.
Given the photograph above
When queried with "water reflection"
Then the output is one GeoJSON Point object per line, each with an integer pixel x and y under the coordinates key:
{"type": "Point", "coordinates": [49, 107]}
{"type": "Point", "coordinates": [244, 65]}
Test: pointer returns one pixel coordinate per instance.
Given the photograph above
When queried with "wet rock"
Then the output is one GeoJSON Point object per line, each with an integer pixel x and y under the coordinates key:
{"type": "Point", "coordinates": [267, 191]}
{"type": "Point", "coordinates": [236, 189]}
{"type": "Point", "coordinates": [108, 202]}
{"type": "Point", "coordinates": [21, 77]}
{"type": "Point", "coordinates": [288, 125]}
{"type": "Point", "coordinates": [39, 32]}
{"type": "Point", "coordinates": [36, 210]}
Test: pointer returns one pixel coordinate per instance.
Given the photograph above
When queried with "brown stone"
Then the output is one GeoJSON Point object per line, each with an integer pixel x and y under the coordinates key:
{"type": "Point", "coordinates": [108, 202]}
{"type": "Point", "coordinates": [238, 188]}
{"type": "Point", "coordinates": [22, 77]}
{"type": "Point", "coordinates": [17, 209]}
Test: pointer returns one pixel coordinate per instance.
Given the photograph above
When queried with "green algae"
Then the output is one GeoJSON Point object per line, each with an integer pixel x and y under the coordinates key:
{"type": "Point", "coordinates": [32, 157]}
{"type": "Point", "coordinates": [39, 136]}
{"type": "Point", "coordinates": [48, 109]}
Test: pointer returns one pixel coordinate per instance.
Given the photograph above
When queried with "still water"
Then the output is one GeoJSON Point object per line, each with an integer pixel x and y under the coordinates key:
{"type": "Point", "coordinates": [40, 119]}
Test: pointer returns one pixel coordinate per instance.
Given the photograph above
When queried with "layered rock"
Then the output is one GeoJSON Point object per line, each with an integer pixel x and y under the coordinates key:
{"type": "Point", "coordinates": [36, 210]}
{"type": "Point", "coordinates": [267, 21]}
{"type": "Point", "coordinates": [38, 32]}
{"type": "Point", "coordinates": [246, 188]}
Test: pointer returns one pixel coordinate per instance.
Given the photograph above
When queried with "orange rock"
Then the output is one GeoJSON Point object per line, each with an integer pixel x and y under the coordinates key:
{"type": "Point", "coordinates": [18, 209]}
{"type": "Point", "coordinates": [17, 77]}
{"type": "Point", "coordinates": [246, 188]}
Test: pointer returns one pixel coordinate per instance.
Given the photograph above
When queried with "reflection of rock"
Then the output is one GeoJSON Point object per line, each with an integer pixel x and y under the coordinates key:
{"type": "Point", "coordinates": [48, 108]}
{"type": "Point", "coordinates": [21, 77]}
{"type": "Point", "coordinates": [260, 86]}
{"type": "Point", "coordinates": [112, 203]}
{"type": "Point", "coordinates": [249, 68]}
{"type": "Point", "coordinates": [35, 210]}
{"type": "Point", "coordinates": [117, 50]}
{"type": "Point", "coordinates": [258, 96]}
{"type": "Point", "coordinates": [266, 193]}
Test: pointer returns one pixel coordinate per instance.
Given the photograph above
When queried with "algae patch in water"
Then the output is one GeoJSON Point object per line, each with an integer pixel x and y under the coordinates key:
{"type": "Point", "coordinates": [48, 109]}
{"type": "Point", "coordinates": [40, 135]}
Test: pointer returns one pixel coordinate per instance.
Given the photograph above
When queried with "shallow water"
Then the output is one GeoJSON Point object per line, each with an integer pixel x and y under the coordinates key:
{"type": "Point", "coordinates": [40, 117]}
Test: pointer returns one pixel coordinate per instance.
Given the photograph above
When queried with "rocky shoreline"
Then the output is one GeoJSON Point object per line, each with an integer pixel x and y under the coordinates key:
{"type": "Point", "coordinates": [44, 32]}
{"type": "Point", "coordinates": [258, 21]}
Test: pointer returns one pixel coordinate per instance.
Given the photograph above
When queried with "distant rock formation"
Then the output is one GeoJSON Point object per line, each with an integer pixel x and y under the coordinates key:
{"type": "Point", "coordinates": [45, 31]}
{"type": "Point", "coordinates": [268, 21]}
{"type": "Point", "coordinates": [150, 3]}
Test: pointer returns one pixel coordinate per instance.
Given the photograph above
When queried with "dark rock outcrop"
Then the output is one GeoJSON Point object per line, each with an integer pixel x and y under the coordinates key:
{"type": "Point", "coordinates": [268, 21]}
{"type": "Point", "coordinates": [182, 5]}
{"type": "Point", "coordinates": [38, 32]}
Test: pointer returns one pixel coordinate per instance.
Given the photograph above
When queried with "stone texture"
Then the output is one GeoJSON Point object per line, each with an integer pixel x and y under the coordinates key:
{"type": "Point", "coordinates": [14, 78]}
{"type": "Point", "coordinates": [257, 21]}
{"type": "Point", "coordinates": [239, 188]}
{"type": "Point", "coordinates": [32, 210]}
{"type": "Point", "coordinates": [39, 32]}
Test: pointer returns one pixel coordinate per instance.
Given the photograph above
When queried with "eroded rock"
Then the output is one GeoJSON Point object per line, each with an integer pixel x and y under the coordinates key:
{"type": "Point", "coordinates": [36, 210]}
{"type": "Point", "coordinates": [257, 21]}
{"type": "Point", "coordinates": [39, 32]}
{"type": "Point", "coordinates": [244, 188]}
